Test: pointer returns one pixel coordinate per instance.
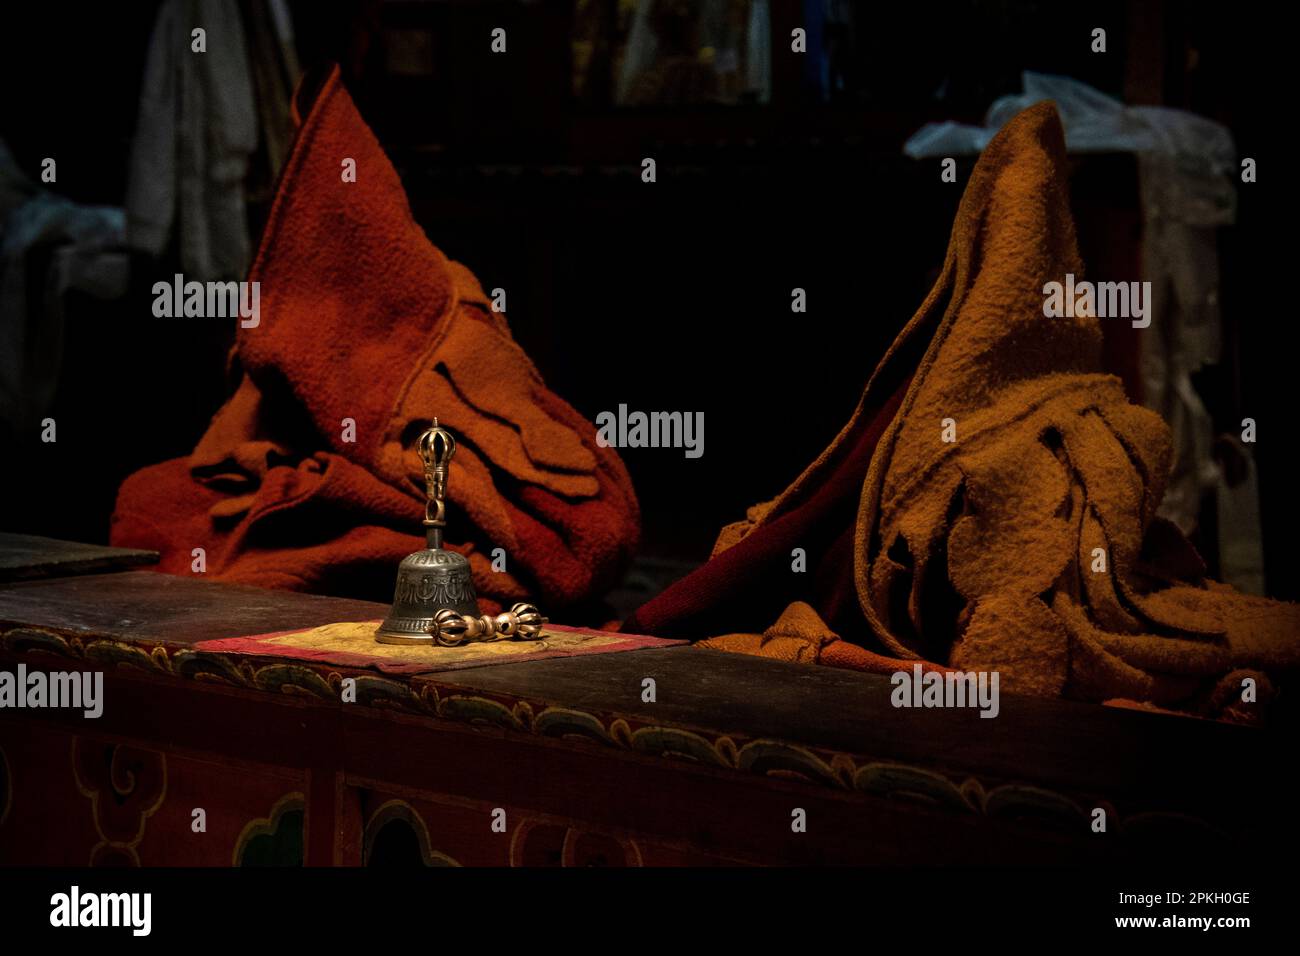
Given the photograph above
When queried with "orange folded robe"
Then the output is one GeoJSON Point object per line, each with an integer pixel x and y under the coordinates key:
{"type": "Point", "coordinates": [367, 333]}
{"type": "Point", "coordinates": [1030, 543]}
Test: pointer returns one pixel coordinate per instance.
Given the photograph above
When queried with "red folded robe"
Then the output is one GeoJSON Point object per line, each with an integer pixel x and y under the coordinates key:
{"type": "Point", "coordinates": [368, 332]}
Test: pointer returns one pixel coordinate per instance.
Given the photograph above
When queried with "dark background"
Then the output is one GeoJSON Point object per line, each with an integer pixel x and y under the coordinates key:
{"type": "Point", "coordinates": [672, 296]}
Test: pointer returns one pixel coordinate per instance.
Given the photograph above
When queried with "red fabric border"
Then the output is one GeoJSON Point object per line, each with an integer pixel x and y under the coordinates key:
{"type": "Point", "coordinates": [256, 645]}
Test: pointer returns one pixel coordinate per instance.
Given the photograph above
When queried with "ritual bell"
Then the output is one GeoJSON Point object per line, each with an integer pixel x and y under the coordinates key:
{"type": "Point", "coordinates": [434, 579]}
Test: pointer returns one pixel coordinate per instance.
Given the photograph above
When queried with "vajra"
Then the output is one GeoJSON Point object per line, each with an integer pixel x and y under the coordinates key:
{"type": "Point", "coordinates": [522, 622]}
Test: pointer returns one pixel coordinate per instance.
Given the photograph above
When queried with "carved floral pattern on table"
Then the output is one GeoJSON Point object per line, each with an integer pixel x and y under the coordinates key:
{"type": "Point", "coordinates": [125, 786]}
{"type": "Point", "coordinates": [955, 792]}
{"type": "Point", "coordinates": [396, 835]}
{"type": "Point", "coordinates": [276, 839]}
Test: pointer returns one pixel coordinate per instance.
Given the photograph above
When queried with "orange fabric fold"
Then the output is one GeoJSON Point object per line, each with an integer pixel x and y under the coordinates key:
{"type": "Point", "coordinates": [1007, 519]}
{"type": "Point", "coordinates": [800, 636]}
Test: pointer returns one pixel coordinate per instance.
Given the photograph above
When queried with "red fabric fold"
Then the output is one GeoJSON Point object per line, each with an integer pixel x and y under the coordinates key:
{"type": "Point", "coordinates": [746, 586]}
{"type": "Point", "coordinates": [308, 477]}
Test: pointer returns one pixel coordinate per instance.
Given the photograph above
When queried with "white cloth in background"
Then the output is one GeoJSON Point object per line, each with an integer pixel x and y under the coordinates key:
{"type": "Point", "coordinates": [195, 133]}
{"type": "Point", "coordinates": [1094, 123]}
{"type": "Point", "coordinates": [1185, 165]}
{"type": "Point", "coordinates": [1241, 556]}
{"type": "Point", "coordinates": [86, 252]}
{"type": "Point", "coordinates": [758, 47]}
{"type": "Point", "coordinates": [1184, 202]}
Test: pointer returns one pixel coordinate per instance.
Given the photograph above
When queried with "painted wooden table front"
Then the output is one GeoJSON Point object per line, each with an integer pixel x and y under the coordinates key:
{"type": "Point", "coordinates": [235, 759]}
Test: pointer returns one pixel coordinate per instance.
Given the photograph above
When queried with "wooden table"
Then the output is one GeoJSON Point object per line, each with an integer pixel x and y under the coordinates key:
{"type": "Point", "coordinates": [24, 556]}
{"type": "Point", "coordinates": [563, 761]}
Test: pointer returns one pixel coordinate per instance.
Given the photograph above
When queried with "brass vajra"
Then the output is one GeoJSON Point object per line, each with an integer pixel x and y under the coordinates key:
{"type": "Point", "coordinates": [522, 622]}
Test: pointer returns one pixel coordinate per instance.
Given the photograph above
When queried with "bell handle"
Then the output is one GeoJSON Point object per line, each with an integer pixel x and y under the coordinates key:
{"type": "Point", "coordinates": [436, 446]}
